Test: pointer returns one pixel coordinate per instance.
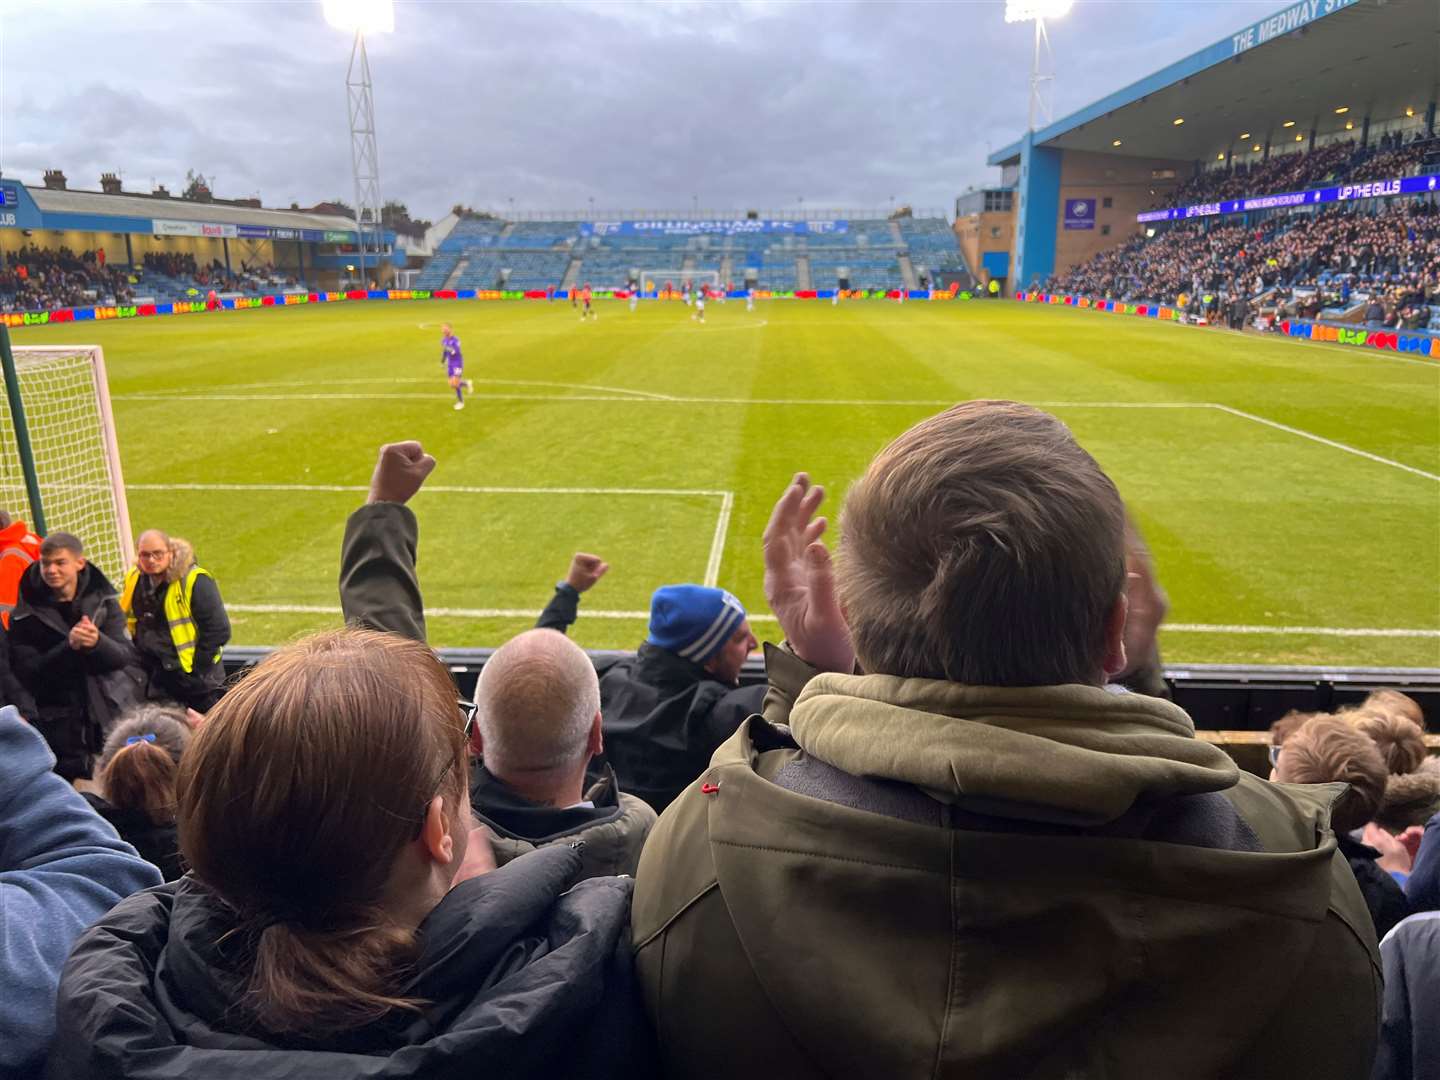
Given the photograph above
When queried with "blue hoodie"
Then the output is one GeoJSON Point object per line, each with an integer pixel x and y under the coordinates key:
{"type": "Point", "coordinates": [62, 866]}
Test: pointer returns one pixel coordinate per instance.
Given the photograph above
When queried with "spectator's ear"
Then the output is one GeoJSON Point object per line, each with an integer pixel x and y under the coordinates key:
{"type": "Point", "coordinates": [596, 745]}
{"type": "Point", "coordinates": [1115, 636]}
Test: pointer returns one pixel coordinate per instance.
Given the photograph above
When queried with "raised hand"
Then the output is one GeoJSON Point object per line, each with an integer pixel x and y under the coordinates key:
{"type": "Point", "coordinates": [800, 580]}
{"type": "Point", "coordinates": [400, 472]}
{"type": "Point", "coordinates": [585, 571]}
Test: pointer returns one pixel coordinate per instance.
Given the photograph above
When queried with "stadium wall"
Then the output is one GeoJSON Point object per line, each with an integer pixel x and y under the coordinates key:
{"type": "Point", "coordinates": [986, 241]}
{"type": "Point", "coordinates": [1131, 184]}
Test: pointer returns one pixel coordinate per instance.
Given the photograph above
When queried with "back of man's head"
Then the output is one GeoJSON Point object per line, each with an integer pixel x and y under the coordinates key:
{"type": "Point", "coordinates": [983, 546]}
{"type": "Point", "coordinates": [536, 701]}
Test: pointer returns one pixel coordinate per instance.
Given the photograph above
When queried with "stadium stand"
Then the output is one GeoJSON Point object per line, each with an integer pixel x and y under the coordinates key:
{"type": "Point", "coordinates": [865, 254]}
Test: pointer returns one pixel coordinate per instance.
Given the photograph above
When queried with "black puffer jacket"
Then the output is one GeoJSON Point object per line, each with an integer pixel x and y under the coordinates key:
{"type": "Point", "coordinates": [526, 979]}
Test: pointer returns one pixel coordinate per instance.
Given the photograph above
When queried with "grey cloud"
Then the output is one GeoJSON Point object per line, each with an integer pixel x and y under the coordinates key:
{"type": "Point", "coordinates": [631, 104]}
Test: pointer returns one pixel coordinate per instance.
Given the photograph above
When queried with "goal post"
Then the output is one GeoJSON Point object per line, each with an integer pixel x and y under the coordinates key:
{"type": "Point", "coordinates": [59, 457]}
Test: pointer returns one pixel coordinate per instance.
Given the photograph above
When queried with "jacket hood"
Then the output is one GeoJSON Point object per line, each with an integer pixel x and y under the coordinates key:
{"type": "Point", "coordinates": [510, 814]}
{"type": "Point", "coordinates": [1410, 798]}
{"type": "Point", "coordinates": [1075, 755]}
{"type": "Point", "coordinates": [971, 950]}
{"type": "Point", "coordinates": [519, 973]}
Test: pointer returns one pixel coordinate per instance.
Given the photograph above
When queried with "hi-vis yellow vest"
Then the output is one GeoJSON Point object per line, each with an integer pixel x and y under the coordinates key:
{"type": "Point", "coordinates": [177, 614]}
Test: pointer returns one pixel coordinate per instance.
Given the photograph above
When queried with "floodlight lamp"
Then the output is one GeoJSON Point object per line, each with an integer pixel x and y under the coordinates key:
{"type": "Point", "coordinates": [361, 16]}
{"type": "Point", "coordinates": [1026, 10]}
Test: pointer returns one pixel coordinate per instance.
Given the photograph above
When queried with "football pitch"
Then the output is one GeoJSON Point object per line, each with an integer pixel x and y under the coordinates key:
{"type": "Point", "coordinates": [1290, 491]}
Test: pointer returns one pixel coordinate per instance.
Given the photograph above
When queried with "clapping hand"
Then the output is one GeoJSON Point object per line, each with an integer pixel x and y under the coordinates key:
{"type": "Point", "coordinates": [400, 472]}
{"type": "Point", "coordinates": [84, 635]}
{"type": "Point", "coordinates": [800, 580]}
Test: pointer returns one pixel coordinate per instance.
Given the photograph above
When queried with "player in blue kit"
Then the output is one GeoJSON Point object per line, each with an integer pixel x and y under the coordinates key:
{"type": "Point", "coordinates": [454, 365]}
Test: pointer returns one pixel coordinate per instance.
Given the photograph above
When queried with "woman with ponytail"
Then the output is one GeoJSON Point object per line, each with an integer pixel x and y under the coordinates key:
{"type": "Point", "coordinates": [136, 775]}
{"type": "Point", "coordinates": [340, 917]}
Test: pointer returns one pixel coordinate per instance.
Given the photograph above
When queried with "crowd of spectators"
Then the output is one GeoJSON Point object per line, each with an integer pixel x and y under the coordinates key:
{"type": "Point", "coordinates": [34, 279]}
{"type": "Point", "coordinates": [924, 847]}
{"type": "Point", "coordinates": [1388, 157]}
{"type": "Point", "coordinates": [1300, 263]}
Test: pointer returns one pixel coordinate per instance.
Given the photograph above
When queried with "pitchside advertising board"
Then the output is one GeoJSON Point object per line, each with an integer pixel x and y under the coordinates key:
{"type": "Point", "coordinates": [1376, 189]}
{"type": "Point", "coordinates": [166, 227]}
{"type": "Point", "coordinates": [738, 227]}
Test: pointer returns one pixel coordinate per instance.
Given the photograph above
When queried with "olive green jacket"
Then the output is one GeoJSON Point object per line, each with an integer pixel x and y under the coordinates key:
{"type": "Point", "coordinates": [1083, 889]}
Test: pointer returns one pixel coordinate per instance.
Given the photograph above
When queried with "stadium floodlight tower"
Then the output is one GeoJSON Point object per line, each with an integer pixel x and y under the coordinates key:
{"type": "Point", "coordinates": [1037, 11]}
{"type": "Point", "coordinates": [362, 17]}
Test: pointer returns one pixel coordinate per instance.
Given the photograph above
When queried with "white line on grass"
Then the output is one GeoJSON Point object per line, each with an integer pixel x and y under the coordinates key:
{"type": "Point", "coordinates": [717, 544]}
{"type": "Point", "coordinates": [1326, 442]}
{"type": "Point", "coordinates": [441, 489]}
{"type": "Point", "coordinates": [569, 398]}
{"type": "Point", "coordinates": [400, 380]}
{"type": "Point", "coordinates": [588, 613]}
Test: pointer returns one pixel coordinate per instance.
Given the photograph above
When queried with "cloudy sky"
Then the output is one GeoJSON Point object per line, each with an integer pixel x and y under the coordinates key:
{"type": "Point", "coordinates": [744, 104]}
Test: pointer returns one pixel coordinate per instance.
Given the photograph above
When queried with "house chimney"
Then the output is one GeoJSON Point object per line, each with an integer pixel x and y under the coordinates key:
{"type": "Point", "coordinates": [110, 183]}
{"type": "Point", "coordinates": [160, 192]}
{"type": "Point", "coordinates": [54, 179]}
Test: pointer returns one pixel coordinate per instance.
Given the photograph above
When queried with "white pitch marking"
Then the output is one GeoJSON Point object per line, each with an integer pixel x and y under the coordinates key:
{"type": "Point", "coordinates": [1326, 442]}
{"type": "Point", "coordinates": [588, 613]}
{"type": "Point", "coordinates": [1300, 631]}
{"type": "Point", "coordinates": [717, 544]}
{"type": "Point", "coordinates": [847, 402]}
{"type": "Point", "coordinates": [440, 489]}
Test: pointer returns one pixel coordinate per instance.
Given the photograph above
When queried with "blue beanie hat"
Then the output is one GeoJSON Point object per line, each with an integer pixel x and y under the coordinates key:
{"type": "Point", "coordinates": [693, 621]}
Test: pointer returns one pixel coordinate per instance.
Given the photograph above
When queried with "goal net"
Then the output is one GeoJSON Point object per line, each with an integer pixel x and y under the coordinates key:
{"type": "Point", "coordinates": [66, 403]}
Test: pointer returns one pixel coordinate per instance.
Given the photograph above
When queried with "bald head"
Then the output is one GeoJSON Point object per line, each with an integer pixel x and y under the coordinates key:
{"type": "Point", "coordinates": [536, 701]}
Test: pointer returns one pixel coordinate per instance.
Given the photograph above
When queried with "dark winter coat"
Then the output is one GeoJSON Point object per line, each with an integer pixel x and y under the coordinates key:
{"type": "Point", "coordinates": [525, 976]}
{"type": "Point", "coordinates": [1409, 1035]}
{"type": "Point", "coordinates": [664, 716]}
{"type": "Point", "coordinates": [1422, 888]}
{"type": "Point", "coordinates": [157, 844]}
{"type": "Point", "coordinates": [1383, 894]}
{"type": "Point", "coordinates": [78, 695]}
{"type": "Point", "coordinates": [613, 829]}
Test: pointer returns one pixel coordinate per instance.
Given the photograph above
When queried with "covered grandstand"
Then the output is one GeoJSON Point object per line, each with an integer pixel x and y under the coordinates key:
{"type": "Point", "coordinates": [1323, 110]}
{"type": "Point", "coordinates": [63, 248]}
{"type": "Point", "coordinates": [773, 251]}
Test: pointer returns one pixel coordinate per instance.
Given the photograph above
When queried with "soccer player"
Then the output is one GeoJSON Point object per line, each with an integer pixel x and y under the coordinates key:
{"type": "Point", "coordinates": [634, 294]}
{"type": "Point", "coordinates": [587, 312]}
{"type": "Point", "coordinates": [749, 297]}
{"type": "Point", "coordinates": [685, 292]}
{"type": "Point", "coordinates": [454, 365]}
{"type": "Point", "coordinates": [700, 291]}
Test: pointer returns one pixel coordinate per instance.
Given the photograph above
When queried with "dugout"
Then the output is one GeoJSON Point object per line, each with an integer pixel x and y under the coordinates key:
{"type": "Point", "coordinates": [1313, 73]}
{"type": "Point", "coordinates": [314, 247]}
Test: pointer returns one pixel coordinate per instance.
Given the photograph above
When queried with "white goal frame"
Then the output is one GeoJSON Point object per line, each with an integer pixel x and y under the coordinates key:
{"type": "Point", "coordinates": [114, 547]}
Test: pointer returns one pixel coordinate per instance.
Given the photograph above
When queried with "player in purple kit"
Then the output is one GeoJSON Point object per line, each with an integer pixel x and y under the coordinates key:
{"type": "Point", "coordinates": [454, 365]}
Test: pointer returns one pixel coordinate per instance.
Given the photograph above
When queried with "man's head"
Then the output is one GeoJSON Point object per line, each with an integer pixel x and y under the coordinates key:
{"type": "Point", "coordinates": [706, 626]}
{"type": "Point", "coordinates": [5, 519]}
{"type": "Point", "coordinates": [985, 546]}
{"type": "Point", "coordinates": [444, 329]}
{"type": "Point", "coordinates": [538, 711]}
{"type": "Point", "coordinates": [62, 558]}
{"type": "Point", "coordinates": [1327, 749]}
{"type": "Point", "coordinates": [152, 553]}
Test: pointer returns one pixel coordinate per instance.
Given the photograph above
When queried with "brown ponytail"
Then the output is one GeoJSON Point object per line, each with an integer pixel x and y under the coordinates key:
{"type": "Point", "coordinates": [297, 796]}
{"type": "Point", "coordinates": [142, 777]}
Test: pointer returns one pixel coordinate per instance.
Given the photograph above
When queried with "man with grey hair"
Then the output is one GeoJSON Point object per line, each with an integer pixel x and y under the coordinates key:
{"type": "Point", "coordinates": [537, 713]}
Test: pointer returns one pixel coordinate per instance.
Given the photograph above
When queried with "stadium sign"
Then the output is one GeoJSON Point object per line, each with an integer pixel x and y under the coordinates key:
{"type": "Point", "coordinates": [1284, 22]}
{"type": "Point", "coordinates": [1079, 213]}
{"type": "Point", "coordinates": [736, 227]}
{"type": "Point", "coordinates": [1377, 189]}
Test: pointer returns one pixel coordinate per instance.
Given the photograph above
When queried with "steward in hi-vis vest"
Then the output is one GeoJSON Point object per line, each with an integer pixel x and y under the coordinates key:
{"type": "Point", "coordinates": [175, 615]}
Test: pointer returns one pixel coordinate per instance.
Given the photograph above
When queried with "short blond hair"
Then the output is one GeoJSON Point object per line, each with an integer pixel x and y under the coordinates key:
{"type": "Point", "coordinates": [983, 546]}
{"type": "Point", "coordinates": [1326, 749]}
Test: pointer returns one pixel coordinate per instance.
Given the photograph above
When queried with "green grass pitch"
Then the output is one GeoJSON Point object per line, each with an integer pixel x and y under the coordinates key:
{"type": "Point", "coordinates": [1290, 491]}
